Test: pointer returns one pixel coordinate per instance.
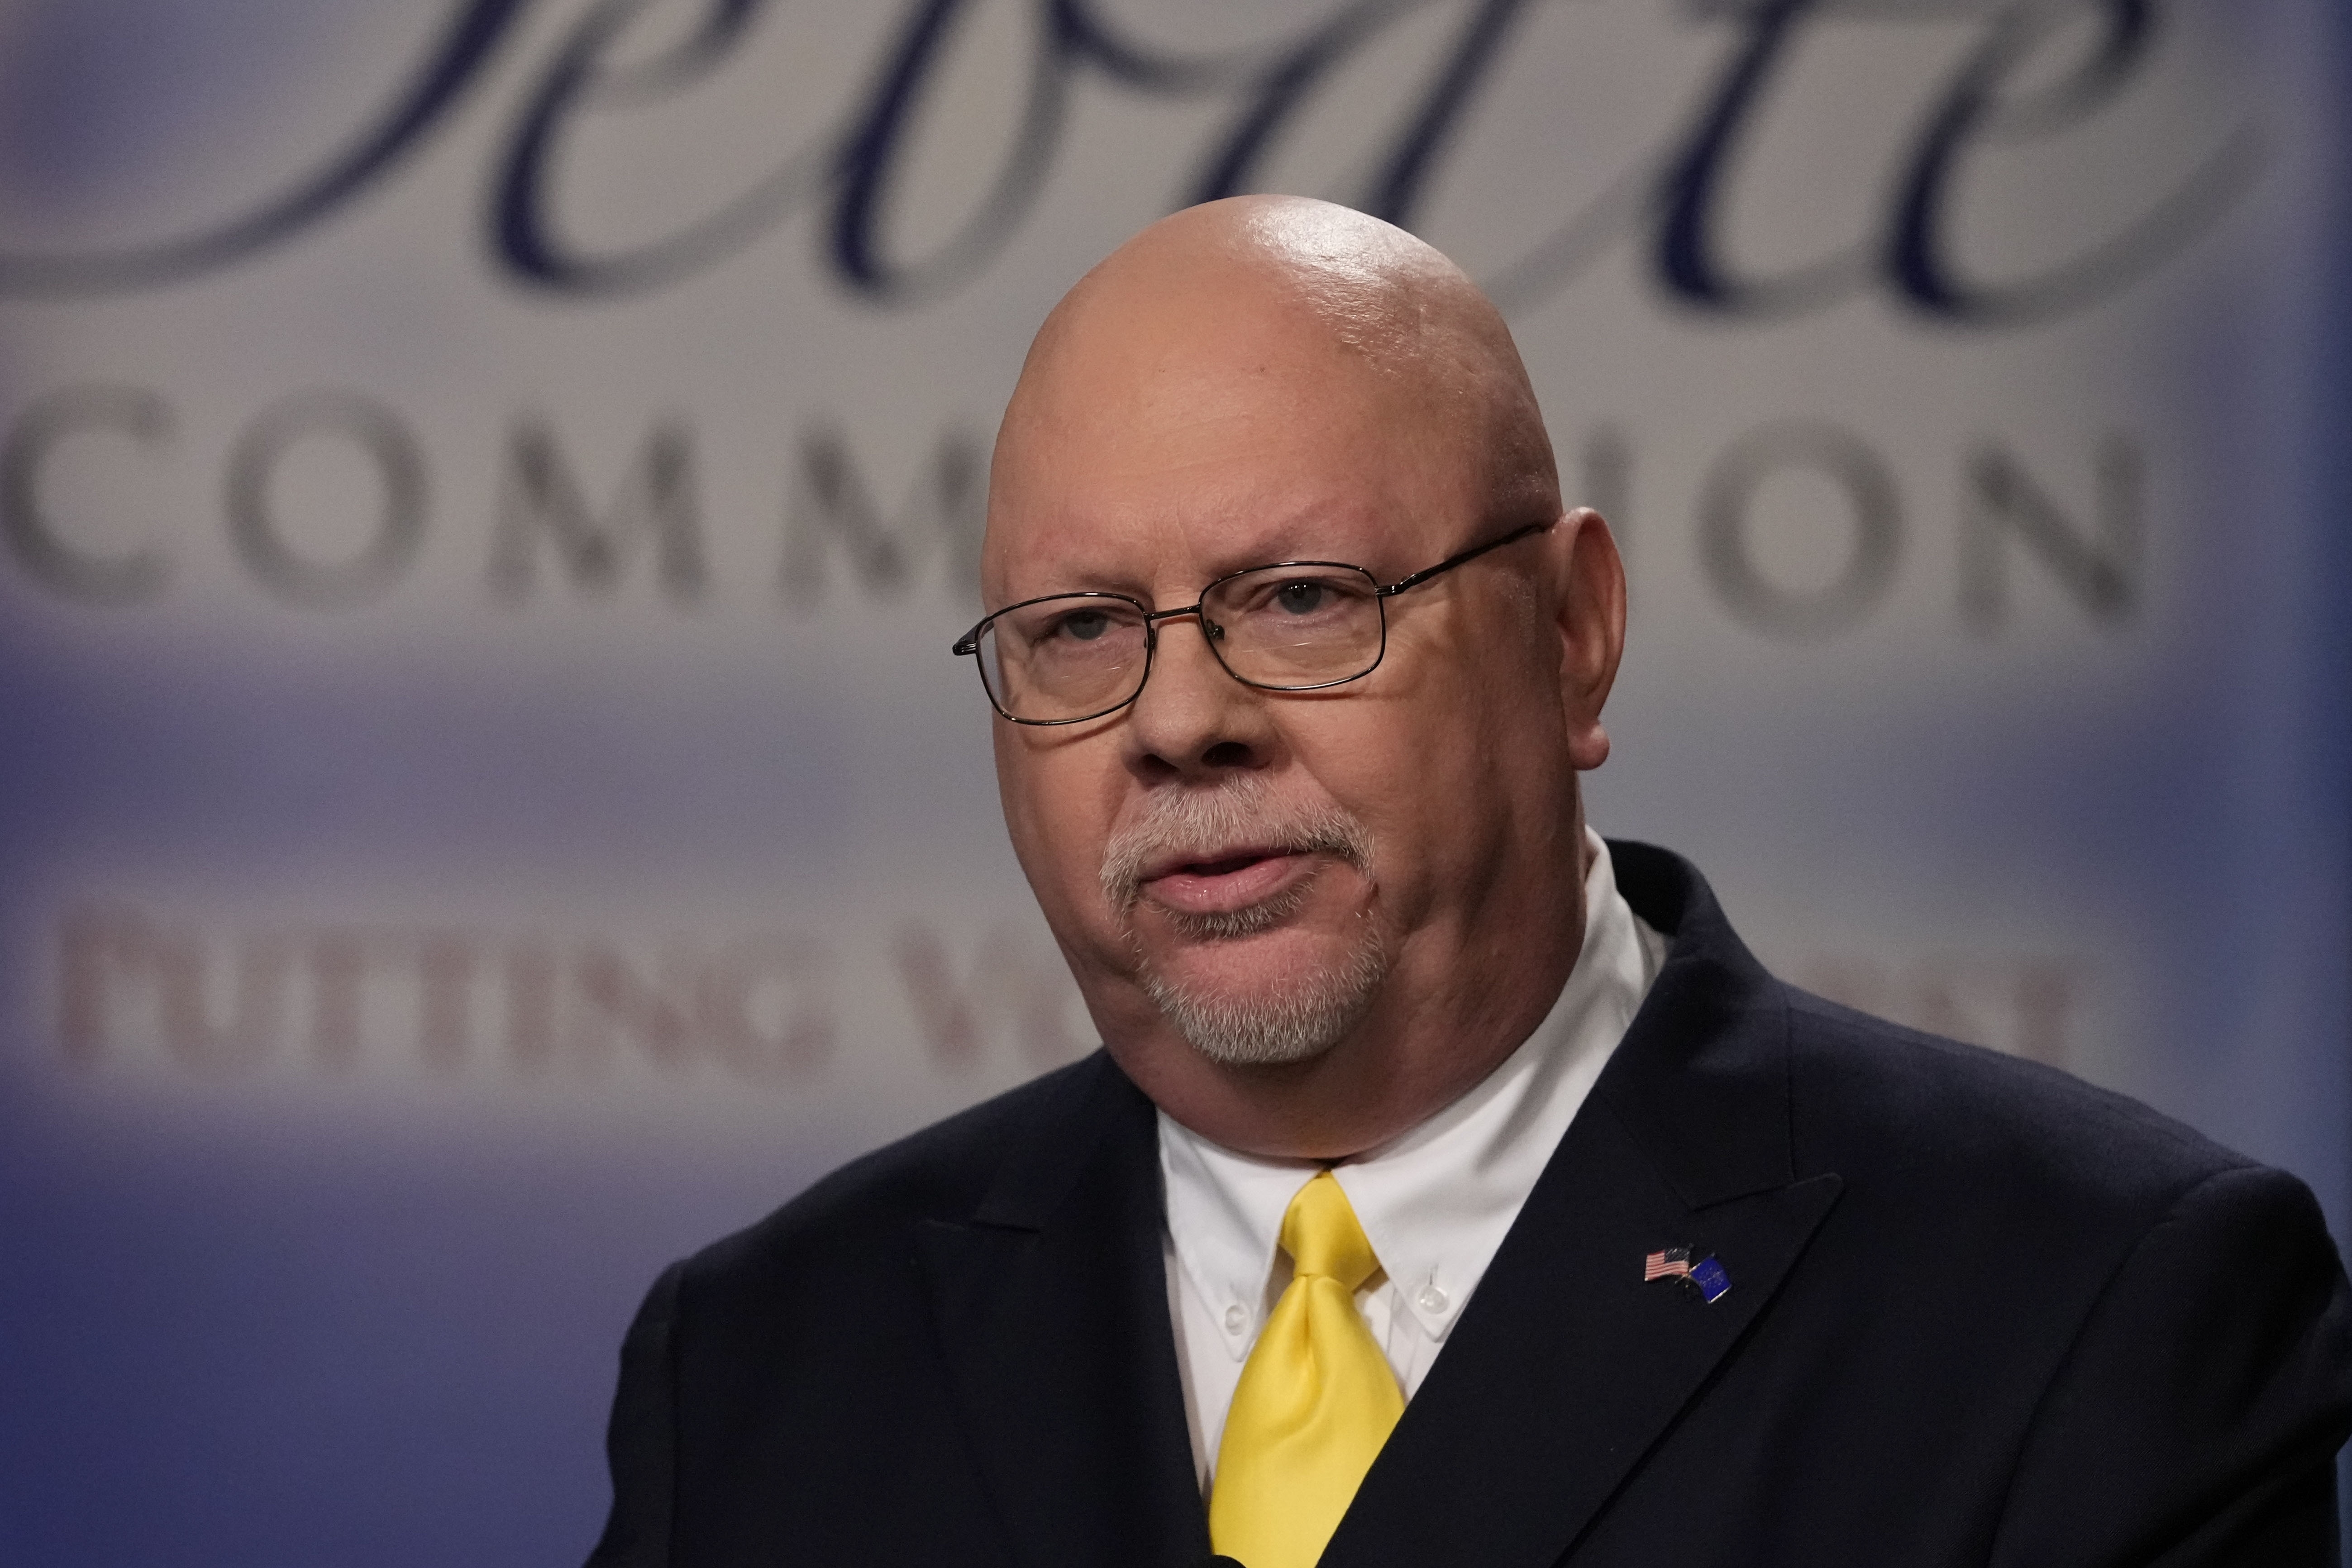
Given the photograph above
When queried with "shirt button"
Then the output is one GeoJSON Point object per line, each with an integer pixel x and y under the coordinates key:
{"type": "Point", "coordinates": [1432, 1299]}
{"type": "Point", "coordinates": [1236, 1318]}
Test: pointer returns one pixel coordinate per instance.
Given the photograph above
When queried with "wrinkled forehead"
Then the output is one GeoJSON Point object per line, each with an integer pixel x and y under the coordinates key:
{"type": "Point", "coordinates": [1170, 447]}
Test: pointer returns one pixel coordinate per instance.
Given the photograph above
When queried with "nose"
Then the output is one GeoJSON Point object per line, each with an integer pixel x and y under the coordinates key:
{"type": "Point", "coordinates": [1193, 721]}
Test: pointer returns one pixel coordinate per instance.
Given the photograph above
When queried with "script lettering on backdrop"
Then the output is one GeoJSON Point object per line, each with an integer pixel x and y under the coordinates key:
{"type": "Point", "coordinates": [1670, 204]}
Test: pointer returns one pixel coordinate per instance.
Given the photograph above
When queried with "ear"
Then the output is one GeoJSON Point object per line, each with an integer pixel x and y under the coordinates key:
{"type": "Point", "coordinates": [1590, 607]}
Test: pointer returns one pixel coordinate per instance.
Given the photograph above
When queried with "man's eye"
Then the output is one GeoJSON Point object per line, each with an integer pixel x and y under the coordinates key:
{"type": "Point", "coordinates": [1303, 598]}
{"type": "Point", "coordinates": [1082, 625]}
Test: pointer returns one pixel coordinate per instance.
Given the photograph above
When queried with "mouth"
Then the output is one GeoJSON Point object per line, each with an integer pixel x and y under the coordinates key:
{"type": "Point", "coordinates": [1224, 881]}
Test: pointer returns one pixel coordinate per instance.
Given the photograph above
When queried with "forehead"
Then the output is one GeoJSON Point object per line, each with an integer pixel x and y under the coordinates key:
{"type": "Point", "coordinates": [1174, 463]}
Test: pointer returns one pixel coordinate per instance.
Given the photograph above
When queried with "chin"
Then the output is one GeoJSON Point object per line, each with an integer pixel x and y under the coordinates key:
{"type": "Point", "coordinates": [1266, 997]}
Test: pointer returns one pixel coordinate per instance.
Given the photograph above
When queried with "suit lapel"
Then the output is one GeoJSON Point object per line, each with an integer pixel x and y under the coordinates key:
{"type": "Point", "coordinates": [1052, 1307]}
{"type": "Point", "coordinates": [1566, 1368]}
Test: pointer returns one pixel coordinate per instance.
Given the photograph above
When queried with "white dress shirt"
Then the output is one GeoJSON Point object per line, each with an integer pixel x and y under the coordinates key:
{"type": "Point", "coordinates": [1434, 1201]}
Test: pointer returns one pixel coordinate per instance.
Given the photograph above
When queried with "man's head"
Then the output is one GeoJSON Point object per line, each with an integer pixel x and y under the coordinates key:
{"type": "Point", "coordinates": [1303, 919]}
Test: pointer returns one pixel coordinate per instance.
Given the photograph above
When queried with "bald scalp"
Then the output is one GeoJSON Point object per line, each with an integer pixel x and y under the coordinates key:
{"type": "Point", "coordinates": [1292, 276]}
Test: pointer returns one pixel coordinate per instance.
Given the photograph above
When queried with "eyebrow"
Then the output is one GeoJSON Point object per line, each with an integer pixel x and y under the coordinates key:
{"type": "Point", "coordinates": [1280, 543]}
{"type": "Point", "coordinates": [1130, 588]}
{"type": "Point", "coordinates": [1305, 536]}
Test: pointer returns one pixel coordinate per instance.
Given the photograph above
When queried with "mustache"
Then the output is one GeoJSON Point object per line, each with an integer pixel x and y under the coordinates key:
{"type": "Point", "coordinates": [1243, 813]}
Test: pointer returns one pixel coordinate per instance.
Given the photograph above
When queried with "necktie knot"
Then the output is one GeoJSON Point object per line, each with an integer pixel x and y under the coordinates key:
{"type": "Point", "coordinates": [1322, 1235]}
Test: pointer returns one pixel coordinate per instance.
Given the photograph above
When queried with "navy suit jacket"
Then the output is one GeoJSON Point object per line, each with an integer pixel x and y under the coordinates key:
{"type": "Point", "coordinates": [1981, 1313]}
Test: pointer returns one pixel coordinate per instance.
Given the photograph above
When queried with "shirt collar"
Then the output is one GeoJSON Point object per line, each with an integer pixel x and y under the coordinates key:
{"type": "Point", "coordinates": [1436, 1201]}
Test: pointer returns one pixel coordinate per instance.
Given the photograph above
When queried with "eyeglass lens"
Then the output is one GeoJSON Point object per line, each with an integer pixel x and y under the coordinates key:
{"type": "Point", "coordinates": [1286, 628]}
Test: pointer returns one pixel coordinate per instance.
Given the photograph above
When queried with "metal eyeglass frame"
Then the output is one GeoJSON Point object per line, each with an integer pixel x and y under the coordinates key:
{"type": "Point", "coordinates": [968, 645]}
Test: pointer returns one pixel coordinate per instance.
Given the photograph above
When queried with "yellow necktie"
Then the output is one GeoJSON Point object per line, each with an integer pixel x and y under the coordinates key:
{"type": "Point", "coordinates": [1316, 1399]}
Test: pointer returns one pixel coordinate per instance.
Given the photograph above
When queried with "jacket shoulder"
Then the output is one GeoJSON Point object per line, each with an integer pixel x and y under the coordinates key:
{"type": "Point", "coordinates": [1939, 1117]}
{"type": "Point", "coordinates": [945, 1172]}
{"type": "Point", "coordinates": [1722, 1048]}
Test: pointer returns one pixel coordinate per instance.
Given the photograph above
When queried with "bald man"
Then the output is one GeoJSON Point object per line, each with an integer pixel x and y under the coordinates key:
{"type": "Point", "coordinates": [1452, 1187]}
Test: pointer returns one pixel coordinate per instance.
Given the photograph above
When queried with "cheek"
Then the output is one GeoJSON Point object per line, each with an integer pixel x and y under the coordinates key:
{"type": "Point", "coordinates": [1438, 763]}
{"type": "Point", "coordinates": [1398, 766]}
{"type": "Point", "coordinates": [1051, 795]}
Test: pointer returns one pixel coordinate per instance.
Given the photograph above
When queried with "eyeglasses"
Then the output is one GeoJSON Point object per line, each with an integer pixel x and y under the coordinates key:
{"type": "Point", "coordinates": [1294, 626]}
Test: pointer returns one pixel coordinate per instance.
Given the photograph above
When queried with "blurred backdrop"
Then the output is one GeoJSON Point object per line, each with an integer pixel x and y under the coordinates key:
{"type": "Point", "coordinates": [487, 489]}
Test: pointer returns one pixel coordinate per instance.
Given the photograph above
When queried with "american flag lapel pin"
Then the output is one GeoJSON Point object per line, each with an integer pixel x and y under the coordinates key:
{"type": "Point", "coordinates": [1706, 1276]}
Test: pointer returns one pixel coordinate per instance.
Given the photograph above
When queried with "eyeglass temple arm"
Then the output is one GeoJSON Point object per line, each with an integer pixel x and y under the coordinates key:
{"type": "Point", "coordinates": [1451, 561]}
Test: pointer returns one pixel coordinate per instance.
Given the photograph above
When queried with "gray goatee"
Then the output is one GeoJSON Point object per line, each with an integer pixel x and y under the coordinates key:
{"type": "Point", "coordinates": [1303, 1015]}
